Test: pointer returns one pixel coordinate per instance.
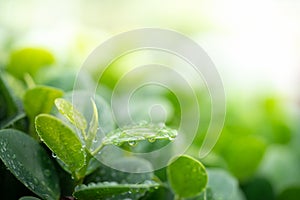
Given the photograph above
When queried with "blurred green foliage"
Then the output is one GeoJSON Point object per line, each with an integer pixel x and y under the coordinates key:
{"type": "Point", "coordinates": [28, 61]}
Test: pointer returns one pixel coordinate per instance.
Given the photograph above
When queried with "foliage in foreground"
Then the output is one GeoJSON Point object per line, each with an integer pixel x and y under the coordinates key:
{"type": "Point", "coordinates": [53, 148]}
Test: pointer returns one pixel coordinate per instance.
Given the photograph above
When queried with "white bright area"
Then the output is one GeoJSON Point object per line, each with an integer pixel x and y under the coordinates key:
{"type": "Point", "coordinates": [254, 44]}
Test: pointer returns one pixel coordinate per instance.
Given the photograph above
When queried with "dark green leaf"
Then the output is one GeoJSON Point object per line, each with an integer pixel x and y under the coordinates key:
{"type": "Point", "coordinates": [29, 198]}
{"type": "Point", "coordinates": [9, 107]}
{"type": "Point", "coordinates": [25, 158]}
{"type": "Point", "coordinates": [258, 188]}
{"type": "Point", "coordinates": [108, 189]}
{"type": "Point", "coordinates": [290, 193]}
{"type": "Point", "coordinates": [62, 141]}
{"type": "Point", "coordinates": [187, 176]}
{"type": "Point", "coordinates": [136, 165]}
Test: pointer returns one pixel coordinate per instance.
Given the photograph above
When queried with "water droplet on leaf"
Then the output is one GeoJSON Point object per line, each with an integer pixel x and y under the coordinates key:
{"type": "Point", "coordinates": [47, 172]}
{"type": "Point", "coordinates": [132, 143]}
{"type": "Point", "coordinates": [151, 140]}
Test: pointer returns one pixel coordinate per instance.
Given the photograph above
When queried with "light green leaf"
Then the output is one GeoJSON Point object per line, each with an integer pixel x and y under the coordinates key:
{"type": "Point", "coordinates": [29, 162]}
{"type": "Point", "coordinates": [39, 100]}
{"type": "Point", "coordinates": [187, 176]}
{"type": "Point", "coordinates": [62, 141]}
{"type": "Point", "coordinates": [253, 149]}
{"type": "Point", "coordinates": [105, 118]}
{"type": "Point", "coordinates": [71, 113]}
{"type": "Point", "coordinates": [142, 131]}
{"type": "Point", "coordinates": [108, 189]}
{"type": "Point", "coordinates": [28, 60]}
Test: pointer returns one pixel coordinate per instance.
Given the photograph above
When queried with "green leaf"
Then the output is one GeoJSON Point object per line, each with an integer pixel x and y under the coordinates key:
{"type": "Point", "coordinates": [187, 176]}
{"type": "Point", "coordinates": [62, 141]}
{"type": "Point", "coordinates": [29, 198]}
{"type": "Point", "coordinates": [105, 122]}
{"type": "Point", "coordinates": [253, 149]}
{"type": "Point", "coordinates": [93, 164]}
{"type": "Point", "coordinates": [142, 131]}
{"type": "Point", "coordinates": [10, 122]}
{"type": "Point", "coordinates": [221, 185]}
{"type": "Point", "coordinates": [136, 165]}
{"type": "Point", "coordinates": [281, 167]}
{"type": "Point", "coordinates": [72, 114]}
{"type": "Point", "coordinates": [108, 189]}
{"type": "Point", "coordinates": [39, 100]}
{"type": "Point", "coordinates": [28, 60]}
{"type": "Point", "coordinates": [258, 188]}
{"type": "Point", "coordinates": [29, 162]}
{"type": "Point", "coordinates": [9, 107]}
{"type": "Point", "coordinates": [93, 128]}
{"type": "Point", "coordinates": [290, 193]}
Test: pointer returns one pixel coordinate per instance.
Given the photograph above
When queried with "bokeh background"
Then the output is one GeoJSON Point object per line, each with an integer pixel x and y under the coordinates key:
{"type": "Point", "coordinates": [255, 46]}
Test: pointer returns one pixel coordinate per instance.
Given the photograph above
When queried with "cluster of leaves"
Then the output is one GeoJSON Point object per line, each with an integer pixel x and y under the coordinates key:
{"type": "Point", "coordinates": [50, 148]}
{"type": "Point", "coordinates": [72, 143]}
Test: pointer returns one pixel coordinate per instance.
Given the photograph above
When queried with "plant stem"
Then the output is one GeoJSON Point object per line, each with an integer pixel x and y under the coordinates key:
{"type": "Point", "coordinates": [83, 134]}
{"type": "Point", "coordinates": [98, 149]}
{"type": "Point", "coordinates": [80, 174]}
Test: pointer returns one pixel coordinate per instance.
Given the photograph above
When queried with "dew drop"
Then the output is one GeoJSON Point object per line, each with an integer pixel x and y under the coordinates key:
{"type": "Point", "coordinates": [151, 140]}
{"type": "Point", "coordinates": [47, 172]}
{"type": "Point", "coordinates": [53, 155]}
{"type": "Point", "coordinates": [123, 134]}
{"type": "Point", "coordinates": [171, 138]}
{"type": "Point", "coordinates": [116, 143]}
{"type": "Point", "coordinates": [132, 143]}
{"type": "Point", "coordinates": [35, 181]}
{"type": "Point", "coordinates": [31, 185]}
